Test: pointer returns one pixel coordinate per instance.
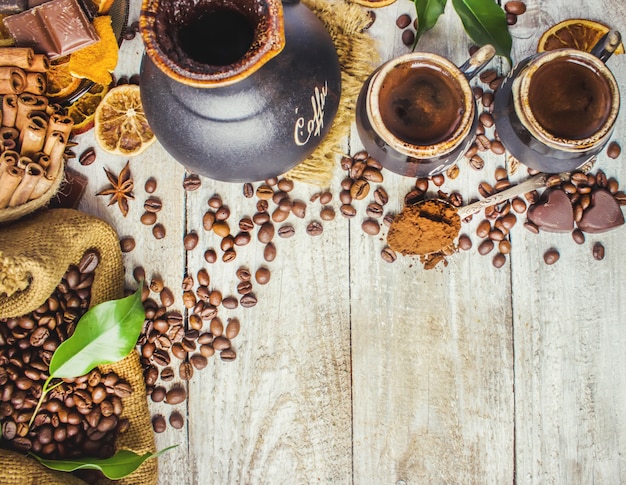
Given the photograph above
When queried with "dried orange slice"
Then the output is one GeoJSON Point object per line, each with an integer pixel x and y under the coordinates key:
{"type": "Point", "coordinates": [83, 110]}
{"type": "Point", "coordinates": [373, 3]}
{"type": "Point", "coordinates": [61, 83]}
{"type": "Point", "coordinates": [97, 61]}
{"type": "Point", "coordinates": [579, 34]}
{"type": "Point", "coordinates": [120, 122]}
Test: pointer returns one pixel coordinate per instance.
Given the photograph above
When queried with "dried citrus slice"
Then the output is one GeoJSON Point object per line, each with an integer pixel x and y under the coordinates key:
{"type": "Point", "coordinates": [83, 110]}
{"type": "Point", "coordinates": [121, 125]}
{"type": "Point", "coordinates": [97, 61]}
{"type": "Point", "coordinates": [61, 84]}
{"type": "Point", "coordinates": [373, 3]}
{"type": "Point", "coordinates": [579, 34]}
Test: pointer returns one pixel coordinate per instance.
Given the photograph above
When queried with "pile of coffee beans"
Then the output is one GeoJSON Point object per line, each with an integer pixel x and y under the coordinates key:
{"type": "Point", "coordinates": [80, 417]}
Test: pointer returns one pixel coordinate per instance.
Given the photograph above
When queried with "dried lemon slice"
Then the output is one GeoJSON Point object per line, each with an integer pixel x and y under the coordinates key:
{"type": "Point", "coordinates": [120, 122]}
{"type": "Point", "coordinates": [83, 110]}
{"type": "Point", "coordinates": [579, 34]}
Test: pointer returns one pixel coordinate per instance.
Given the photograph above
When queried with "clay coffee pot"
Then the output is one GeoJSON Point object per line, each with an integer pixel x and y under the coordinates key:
{"type": "Point", "coordinates": [237, 90]}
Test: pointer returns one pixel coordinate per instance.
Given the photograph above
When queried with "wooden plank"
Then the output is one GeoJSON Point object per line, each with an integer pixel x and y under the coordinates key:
{"type": "Point", "coordinates": [432, 349]}
{"type": "Point", "coordinates": [281, 411]}
{"type": "Point", "coordinates": [569, 324]}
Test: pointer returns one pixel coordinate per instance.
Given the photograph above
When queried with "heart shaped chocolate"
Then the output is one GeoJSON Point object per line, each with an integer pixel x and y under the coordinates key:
{"type": "Point", "coordinates": [553, 212]}
{"type": "Point", "coordinates": [603, 213]}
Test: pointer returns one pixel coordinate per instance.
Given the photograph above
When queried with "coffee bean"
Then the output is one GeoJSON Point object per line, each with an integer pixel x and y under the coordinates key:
{"type": "Point", "coordinates": [511, 19]}
{"type": "Point", "coordinates": [148, 218]}
{"type": "Point", "coordinates": [403, 21]}
{"type": "Point", "coordinates": [244, 287]}
{"type": "Point", "coordinates": [127, 244]}
{"type": "Point", "coordinates": [185, 371]}
{"type": "Point", "coordinates": [190, 241]}
{"type": "Point", "coordinates": [221, 228]}
{"type": "Point", "coordinates": [380, 196]}
{"type": "Point", "coordinates": [515, 7]}
{"type": "Point", "coordinates": [286, 185]}
{"type": "Point", "coordinates": [158, 394]}
{"type": "Point", "coordinates": [613, 150]}
{"type": "Point", "coordinates": [222, 213]}
{"type": "Point", "coordinates": [158, 424]}
{"type": "Point", "coordinates": [370, 226]}
{"type": "Point", "coordinates": [374, 210]}
{"type": "Point", "coordinates": [248, 190]}
{"type": "Point", "coordinates": [488, 75]}
{"type": "Point", "coordinates": [208, 219]}
{"type": "Point", "coordinates": [483, 228]}
{"type": "Point", "coordinates": [215, 201]}
{"type": "Point", "coordinates": [152, 204]}
{"type": "Point", "coordinates": [551, 256]}
{"type": "Point", "coordinates": [87, 157]}
{"type": "Point", "coordinates": [122, 389]}
{"type": "Point", "coordinates": [327, 213]}
{"type": "Point", "coordinates": [233, 328]}
{"type": "Point", "coordinates": [167, 297]}
{"type": "Point", "coordinates": [578, 236]}
{"type": "Point", "coordinates": [314, 228]}
{"type": "Point", "coordinates": [485, 247]}
{"type": "Point", "coordinates": [497, 147]}
{"type": "Point", "coordinates": [269, 252]}
{"type": "Point", "coordinates": [199, 361]}
{"type": "Point", "coordinates": [262, 275]}
{"type": "Point", "coordinates": [347, 210]}
{"type": "Point", "coordinates": [388, 255]}
{"type": "Point", "coordinates": [191, 182]}
{"type": "Point", "coordinates": [598, 251]}
{"type": "Point", "coordinates": [286, 231]}
{"type": "Point", "coordinates": [176, 420]}
{"type": "Point", "coordinates": [465, 242]}
{"type": "Point", "coordinates": [264, 192]}
{"type": "Point", "coordinates": [228, 355]}
{"type": "Point", "coordinates": [175, 395]}
{"type": "Point", "coordinates": [227, 243]}
{"type": "Point", "coordinates": [167, 374]}
{"type": "Point", "coordinates": [360, 188]}
{"type": "Point", "coordinates": [498, 260]}
{"type": "Point", "coordinates": [298, 208]}
{"type": "Point", "coordinates": [158, 231]}
{"type": "Point", "coordinates": [243, 274]}
{"type": "Point", "coordinates": [518, 205]}
{"type": "Point", "coordinates": [476, 162]}
{"type": "Point", "coordinates": [216, 327]}
{"type": "Point", "coordinates": [487, 100]}
{"type": "Point", "coordinates": [210, 256]}
{"type": "Point", "coordinates": [248, 301]}
{"type": "Point", "coordinates": [266, 233]}
{"type": "Point", "coordinates": [372, 174]}
{"type": "Point", "coordinates": [408, 37]}
{"type": "Point", "coordinates": [151, 185]}
{"type": "Point", "coordinates": [230, 302]}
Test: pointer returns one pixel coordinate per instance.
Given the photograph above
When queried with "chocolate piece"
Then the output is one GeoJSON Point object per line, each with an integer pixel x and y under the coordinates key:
{"type": "Point", "coordinates": [9, 7]}
{"type": "Point", "coordinates": [553, 212]}
{"type": "Point", "coordinates": [71, 191]}
{"type": "Point", "coordinates": [55, 28]}
{"type": "Point", "coordinates": [603, 214]}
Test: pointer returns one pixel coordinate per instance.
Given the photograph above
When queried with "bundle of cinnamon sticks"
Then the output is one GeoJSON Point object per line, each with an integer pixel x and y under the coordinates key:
{"type": "Point", "coordinates": [33, 137]}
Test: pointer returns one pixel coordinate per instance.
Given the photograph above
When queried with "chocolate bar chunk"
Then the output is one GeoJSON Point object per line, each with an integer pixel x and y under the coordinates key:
{"type": "Point", "coordinates": [55, 28]}
{"type": "Point", "coordinates": [12, 6]}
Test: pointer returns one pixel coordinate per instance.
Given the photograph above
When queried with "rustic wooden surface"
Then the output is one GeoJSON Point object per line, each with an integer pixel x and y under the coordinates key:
{"type": "Point", "coordinates": [353, 370]}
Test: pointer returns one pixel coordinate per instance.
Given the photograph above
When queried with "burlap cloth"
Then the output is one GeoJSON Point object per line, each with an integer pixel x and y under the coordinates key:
{"type": "Point", "coordinates": [358, 56]}
{"type": "Point", "coordinates": [36, 253]}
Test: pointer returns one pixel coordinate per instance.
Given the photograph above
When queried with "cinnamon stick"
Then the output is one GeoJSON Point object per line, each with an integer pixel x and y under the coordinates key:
{"type": "Point", "coordinates": [8, 159]}
{"type": "Point", "coordinates": [12, 80]}
{"type": "Point", "coordinates": [9, 181]}
{"type": "Point", "coordinates": [35, 83]}
{"type": "Point", "coordinates": [41, 63]}
{"type": "Point", "coordinates": [33, 136]}
{"type": "Point", "coordinates": [17, 56]}
{"type": "Point", "coordinates": [62, 124]}
{"type": "Point", "coordinates": [27, 103]}
{"type": "Point", "coordinates": [33, 173]}
{"type": "Point", "coordinates": [9, 110]}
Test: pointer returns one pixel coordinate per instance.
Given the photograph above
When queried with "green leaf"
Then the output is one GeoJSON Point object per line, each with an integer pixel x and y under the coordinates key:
{"type": "Point", "coordinates": [428, 12]}
{"type": "Point", "coordinates": [485, 23]}
{"type": "Point", "coordinates": [120, 465]}
{"type": "Point", "coordinates": [104, 335]}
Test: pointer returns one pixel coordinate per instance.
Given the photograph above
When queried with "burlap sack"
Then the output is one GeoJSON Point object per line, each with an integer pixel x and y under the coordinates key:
{"type": "Point", "coordinates": [34, 255]}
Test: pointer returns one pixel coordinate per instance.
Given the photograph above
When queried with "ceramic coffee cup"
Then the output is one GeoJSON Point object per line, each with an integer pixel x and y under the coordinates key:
{"type": "Point", "coordinates": [416, 113]}
{"type": "Point", "coordinates": [556, 110]}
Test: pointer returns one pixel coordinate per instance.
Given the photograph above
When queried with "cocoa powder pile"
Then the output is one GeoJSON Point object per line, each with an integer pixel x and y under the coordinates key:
{"type": "Point", "coordinates": [424, 228]}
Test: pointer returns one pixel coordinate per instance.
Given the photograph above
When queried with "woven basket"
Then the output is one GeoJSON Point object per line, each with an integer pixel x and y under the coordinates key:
{"type": "Point", "coordinates": [37, 252]}
{"type": "Point", "coordinates": [9, 214]}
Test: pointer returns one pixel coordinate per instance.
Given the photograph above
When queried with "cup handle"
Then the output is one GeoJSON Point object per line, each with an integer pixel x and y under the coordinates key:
{"type": "Point", "coordinates": [605, 47]}
{"type": "Point", "coordinates": [475, 64]}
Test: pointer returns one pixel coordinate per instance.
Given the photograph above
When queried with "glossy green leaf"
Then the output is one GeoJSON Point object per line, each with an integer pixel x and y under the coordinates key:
{"type": "Point", "coordinates": [485, 23]}
{"type": "Point", "coordinates": [428, 12]}
{"type": "Point", "coordinates": [104, 335]}
{"type": "Point", "coordinates": [120, 465]}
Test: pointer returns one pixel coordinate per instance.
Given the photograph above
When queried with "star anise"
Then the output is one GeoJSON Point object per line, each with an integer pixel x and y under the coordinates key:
{"type": "Point", "coordinates": [121, 189]}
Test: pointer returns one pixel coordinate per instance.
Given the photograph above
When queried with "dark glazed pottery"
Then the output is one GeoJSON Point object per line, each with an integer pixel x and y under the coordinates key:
{"type": "Point", "coordinates": [230, 92]}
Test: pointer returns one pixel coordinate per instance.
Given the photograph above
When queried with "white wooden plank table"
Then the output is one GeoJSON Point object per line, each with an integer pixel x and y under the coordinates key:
{"type": "Point", "coordinates": [353, 370]}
